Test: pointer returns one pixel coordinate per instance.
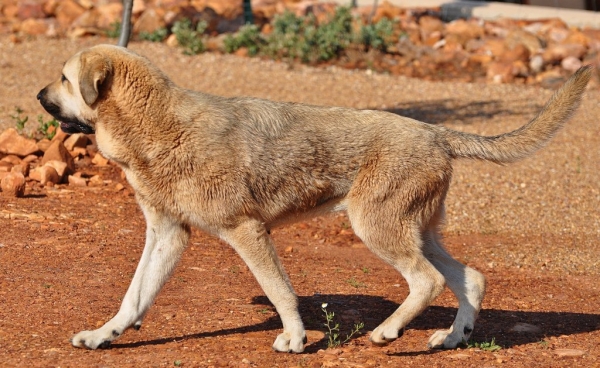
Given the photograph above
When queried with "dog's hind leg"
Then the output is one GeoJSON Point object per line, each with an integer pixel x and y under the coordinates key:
{"type": "Point", "coordinates": [399, 243]}
{"type": "Point", "coordinates": [166, 239]}
{"type": "Point", "coordinates": [467, 285]}
{"type": "Point", "coordinates": [252, 242]}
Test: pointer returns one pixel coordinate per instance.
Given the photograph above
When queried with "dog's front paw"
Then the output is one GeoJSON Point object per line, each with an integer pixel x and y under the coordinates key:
{"type": "Point", "coordinates": [287, 343]}
{"type": "Point", "coordinates": [100, 338]}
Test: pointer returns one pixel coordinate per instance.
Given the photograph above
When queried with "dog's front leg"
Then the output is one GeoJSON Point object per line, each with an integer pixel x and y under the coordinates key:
{"type": "Point", "coordinates": [253, 244]}
{"type": "Point", "coordinates": [166, 239]}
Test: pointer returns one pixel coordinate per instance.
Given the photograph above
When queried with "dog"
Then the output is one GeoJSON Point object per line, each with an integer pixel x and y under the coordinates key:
{"type": "Point", "coordinates": [237, 167]}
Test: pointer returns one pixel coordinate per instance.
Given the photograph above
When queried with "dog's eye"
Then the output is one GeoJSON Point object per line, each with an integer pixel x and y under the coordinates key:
{"type": "Point", "coordinates": [63, 78]}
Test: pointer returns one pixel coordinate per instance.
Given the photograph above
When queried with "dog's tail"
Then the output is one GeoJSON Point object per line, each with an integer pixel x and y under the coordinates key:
{"type": "Point", "coordinates": [524, 141]}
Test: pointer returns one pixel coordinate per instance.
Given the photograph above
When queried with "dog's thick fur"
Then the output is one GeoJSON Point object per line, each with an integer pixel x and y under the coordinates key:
{"type": "Point", "coordinates": [236, 167]}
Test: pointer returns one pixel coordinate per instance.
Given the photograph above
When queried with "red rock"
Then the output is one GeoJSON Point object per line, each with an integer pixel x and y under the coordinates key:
{"type": "Point", "coordinates": [77, 181]}
{"type": "Point", "coordinates": [59, 166]}
{"type": "Point", "coordinates": [22, 169]}
{"type": "Point", "coordinates": [100, 160]}
{"type": "Point", "coordinates": [500, 72]}
{"type": "Point", "coordinates": [519, 52]}
{"type": "Point", "coordinates": [58, 152]}
{"type": "Point", "coordinates": [12, 159]}
{"type": "Point", "coordinates": [13, 143]}
{"type": "Point", "coordinates": [44, 144]}
{"type": "Point", "coordinates": [556, 53]}
{"type": "Point", "coordinates": [67, 11]}
{"type": "Point", "coordinates": [30, 9]}
{"type": "Point", "coordinates": [149, 21]}
{"type": "Point", "coordinates": [519, 36]}
{"type": "Point", "coordinates": [13, 184]}
{"type": "Point", "coordinates": [76, 140]}
{"type": "Point", "coordinates": [48, 175]}
{"type": "Point", "coordinates": [464, 30]}
{"type": "Point", "coordinates": [34, 26]}
{"type": "Point", "coordinates": [108, 14]}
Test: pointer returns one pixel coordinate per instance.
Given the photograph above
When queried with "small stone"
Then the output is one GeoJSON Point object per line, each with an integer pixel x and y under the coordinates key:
{"type": "Point", "coordinates": [48, 175]}
{"type": "Point", "coordinates": [119, 187]}
{"type": "Point", "coordinates": [21, 168]}
{"type": "Point", "coordinates": [289, 249]}
{"type": "Point", "coordinates": [36, 174]}
{"type": "Point", "coordinates": [13, 143]}
{"type": "Point", "coordinates": [77, 181]}
{"type": "Point", "coordinates": [76, 140]}
{"type": "Point", "coordinates": [78, 152]}
{"type": "Point", "coordinates": [15, 160]}
{"type": "Point", "coordinates": [569, 352]}
{"type": "Point", "coordinates": [13, 184]}
{"type": "Point", "coordinates": [100, 160]}
{"type": "Point", "coordinates": [96, 181]}
{"type": "Point", "coordinates": [59, 166]}
{"type": "Point", "coordinates": [58, 152]}
{"type": "Point", "coordinates": [44, 144]}
{"type": "Point", "coordinates": [459, 356]}
{"type": "Point", "coordinates": [571, 64]}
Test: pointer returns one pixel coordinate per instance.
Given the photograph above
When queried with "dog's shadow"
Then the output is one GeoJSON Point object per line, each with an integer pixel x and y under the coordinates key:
{"type": "Point", "coordinates": [450, 110]}
{"type": "Point", "coordinates": [371, 310]}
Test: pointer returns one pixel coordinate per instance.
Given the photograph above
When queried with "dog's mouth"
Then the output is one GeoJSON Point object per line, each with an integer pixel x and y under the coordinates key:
{"type": "Point", "coordinates": [68, 125]}
{"type": "Point", "coordinates": [72, 126]}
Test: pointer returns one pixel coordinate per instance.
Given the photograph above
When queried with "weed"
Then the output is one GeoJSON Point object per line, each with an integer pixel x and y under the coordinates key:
{"type": "Point", "coordinates": [47, 129]}
{"type": "Point", "coordinates": [19, 120]}
{"type": "Point", "coordinates": [248, 36]}
{"type": "Point", "coordinates": [352, 281]}
{"type": "Point", "coordinates": [114, 30]}
{"type": "Point", "coordinates": [333, 329]}
{"type": "Point", "coordinates": [178, 363]}
{"type": "Point", "coordinates": [264, 310]}
{"type": "Point", "coordinates": [544, 344]}
{"type": "Point", "coordinates": [486, 346]}
{"type": "Point", "coordinates": [366, 270]}
{"type": "Point", "coordinates": [188, 37]}
{"type": "Point", "coordinates": [156, 36]}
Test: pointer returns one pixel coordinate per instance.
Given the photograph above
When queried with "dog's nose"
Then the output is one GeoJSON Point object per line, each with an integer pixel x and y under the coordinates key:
{"type": "Point", "coordinates": [41, 94]}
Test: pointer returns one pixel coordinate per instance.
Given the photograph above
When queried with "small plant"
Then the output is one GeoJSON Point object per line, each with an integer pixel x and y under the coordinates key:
{"type": "Point", "coordinates": [19, 120]}
{"type": "Point", "coordinates": [544, 344]}
{"type": "Point", "coordinates": [47, 129]}
{"type": "Point", "coordinates": [156, 36]}
{"type": "Point", "coordinates": [366, 270]}
{"type": "Point", "coordinates": [333, 329]}
{"type": "Point", "coordinates": [486, 346]}
{"type": "Point", "coordinates": [114, 30]}
{"type": "Point", "coordinates": [378, 35]}
{"type": "Point", "coordinates": [352, 281]}
{"type": "Point", "coordinates": [248, 36]}
{"type": "Point", "coordinates": [188, 37]}
{"type": "Point", "coordinates": [178, 363]}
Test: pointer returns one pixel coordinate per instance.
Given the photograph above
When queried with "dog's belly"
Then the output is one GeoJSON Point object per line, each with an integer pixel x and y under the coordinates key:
{"type": "Point", "coordinates": [332, 205]}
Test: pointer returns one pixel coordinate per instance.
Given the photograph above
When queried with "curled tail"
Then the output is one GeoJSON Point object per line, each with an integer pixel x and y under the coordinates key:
{"type": "Point", "coordinates": [524, 141]}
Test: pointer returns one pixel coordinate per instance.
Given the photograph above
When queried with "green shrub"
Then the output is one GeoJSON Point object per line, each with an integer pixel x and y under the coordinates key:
{"type": "Point", "coordinates": [188, 37]}
{"type": "Point", "coordinates": [114, 30]}
{"type": "Point", "coordinates": [156, 36]}
{"type": "Point", "coordinates": [377, 35]}
{"type": "Point", "coordinates": [248, 36]}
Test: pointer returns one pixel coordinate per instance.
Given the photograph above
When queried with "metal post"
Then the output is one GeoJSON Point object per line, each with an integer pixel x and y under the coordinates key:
{"type": "Point", "coordinates": [126, 23]}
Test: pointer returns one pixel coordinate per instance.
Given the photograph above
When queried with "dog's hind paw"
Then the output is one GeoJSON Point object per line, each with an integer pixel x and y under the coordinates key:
{"type": "Point", "coordinates": [382, 336]}
{"type": "Point", "coordinates": [96, 339]}
{"type": "Point", "coordinates": [287, 344]}
{"type": "Point", "coordinates": [446, 339]}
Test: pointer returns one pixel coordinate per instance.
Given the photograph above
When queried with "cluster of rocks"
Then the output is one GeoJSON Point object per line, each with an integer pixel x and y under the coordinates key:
{"type": "Point", "coordinates": [502, 51]}
{"type": "Point", "coordinates": [27, 162]}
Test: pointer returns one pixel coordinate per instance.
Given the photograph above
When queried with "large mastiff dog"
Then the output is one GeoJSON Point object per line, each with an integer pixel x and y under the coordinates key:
{"type": "Point", "coordinates": [236, 167]}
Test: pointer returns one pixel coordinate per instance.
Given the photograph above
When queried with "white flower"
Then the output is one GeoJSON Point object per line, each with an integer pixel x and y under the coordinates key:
{"type": "Point", "coordinates": [324, 305]}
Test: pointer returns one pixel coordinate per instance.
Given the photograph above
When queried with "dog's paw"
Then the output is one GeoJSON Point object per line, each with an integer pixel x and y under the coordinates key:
{"type": "Point", "coordinates": [384, 334]}
{"type": "Point", "coordinates": [287, 343]}
{"type": "Point", "coordinates": [97, 339]}
{"type": "Point", "coordinates": [446, 339]}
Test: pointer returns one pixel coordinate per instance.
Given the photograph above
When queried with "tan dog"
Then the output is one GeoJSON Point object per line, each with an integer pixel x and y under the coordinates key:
{"type": "Point", "coordinates": [236, 167]}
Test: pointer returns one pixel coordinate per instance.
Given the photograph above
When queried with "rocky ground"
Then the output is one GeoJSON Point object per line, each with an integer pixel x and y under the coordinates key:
{"type": "Point", "coordinates": [68, 252]}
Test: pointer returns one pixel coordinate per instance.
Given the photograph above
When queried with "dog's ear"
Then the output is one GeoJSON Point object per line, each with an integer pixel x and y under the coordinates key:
{"type": "Point", "coordinates": [95, 69]}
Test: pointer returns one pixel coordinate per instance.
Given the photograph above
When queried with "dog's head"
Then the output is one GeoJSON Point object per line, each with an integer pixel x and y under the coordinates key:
{"type": "Point", "coordinates": [74, 97]}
